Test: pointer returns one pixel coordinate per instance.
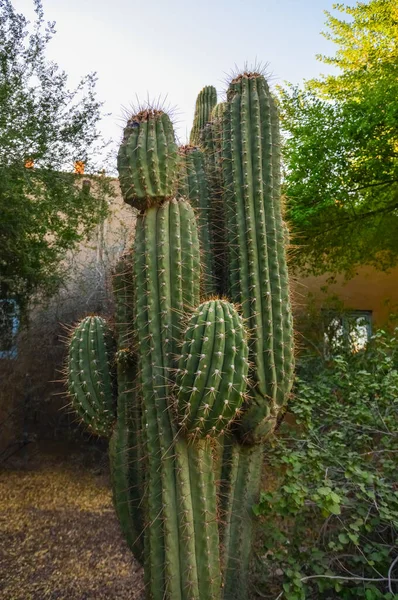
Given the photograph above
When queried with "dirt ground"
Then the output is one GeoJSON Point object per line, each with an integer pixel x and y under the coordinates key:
{"type": "Point", "coordinates": [60, 538]}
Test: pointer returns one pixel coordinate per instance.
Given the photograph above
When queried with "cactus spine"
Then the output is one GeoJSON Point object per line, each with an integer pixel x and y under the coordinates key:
{"type": "Point", "coordinates": [199, 385]}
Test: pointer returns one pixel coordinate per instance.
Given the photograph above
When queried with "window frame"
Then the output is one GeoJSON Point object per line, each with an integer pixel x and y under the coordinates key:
{"type": "Point", "coordinates": [346, 317]}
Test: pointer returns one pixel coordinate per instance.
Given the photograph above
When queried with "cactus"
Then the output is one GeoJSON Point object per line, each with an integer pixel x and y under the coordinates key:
{"type": "Point", "coordinates": [205, 102]}
{"type": "Point", "coordinates": [193, 185]}
{"type": "Point", "coordinates": [211, 145]}
{"type": "Point", "coordinates": [199, 385]}
{"type": "Point", "coordinates": [147, 159]}
{"type": "Point", "coordinates": [258, 282]}
{"type": "Point", "coordinates": [213, 368]}
{"type": "Point", "coordinates": [90, 377]}
{"type": "Point", "coordinates": [126, 443]}
{"type": "Point", "coordinates": [257, 259]}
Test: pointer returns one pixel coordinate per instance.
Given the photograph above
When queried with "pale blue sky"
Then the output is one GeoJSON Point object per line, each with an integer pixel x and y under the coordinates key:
{"type": "Point", "coordinates": [175, 47]}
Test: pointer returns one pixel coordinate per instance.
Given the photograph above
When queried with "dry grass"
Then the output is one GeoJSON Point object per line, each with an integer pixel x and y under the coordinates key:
{"type": "Point", "coordinates": [59, 535]}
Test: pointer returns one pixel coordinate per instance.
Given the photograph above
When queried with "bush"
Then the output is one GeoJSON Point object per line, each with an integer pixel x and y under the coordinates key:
{"type": "Point", "coordinates": [330, 524]}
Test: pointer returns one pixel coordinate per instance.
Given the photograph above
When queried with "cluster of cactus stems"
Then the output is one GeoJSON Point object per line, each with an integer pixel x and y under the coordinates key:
{"type": "Point", "coordinates": [202, 362]}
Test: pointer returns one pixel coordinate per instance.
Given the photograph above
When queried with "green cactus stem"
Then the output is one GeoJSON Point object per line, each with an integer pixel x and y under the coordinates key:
{"type": "Point", "coordinates": [166, 263]}
{"type": "Point", "coordinates": [147, 159]}
{"type": "Point", "coordinates": [213, 369]}
{"type": "Point", "coordinates": [257, 260]}
{"type": "Point", "coordinates": [258, 282]}
{"type": "Point", "coordinates": [91, 381]}
{"type": "Point", "coordinates": [205, 102]}
{"type": "Point", "coordinates": [240, 481]}
{"type": "Point", "coordinates": [126, 450]}
{"type": "Point", "coordinates": [193, 186]}
{"type": "Point", "coordinates": [211, 145]}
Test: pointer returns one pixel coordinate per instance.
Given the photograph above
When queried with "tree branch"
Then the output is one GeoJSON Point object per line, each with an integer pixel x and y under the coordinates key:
{"type": "Point", "coordinates": [371, 185]}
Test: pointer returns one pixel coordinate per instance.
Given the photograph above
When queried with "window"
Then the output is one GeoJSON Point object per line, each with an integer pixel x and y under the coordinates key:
{"type": "Point", "coordinates": [351, 329]}
{"type": "Point", "coordinates": [9, 324]}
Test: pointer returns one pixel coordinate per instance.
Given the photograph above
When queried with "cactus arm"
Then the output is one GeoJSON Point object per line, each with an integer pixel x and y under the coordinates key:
{"type": "Point", "coordinates": [258, 280]}
{"type": "Point", "coordinates": [213, 369]}
{"type": "Point", "coordinates": [147, 181]}
{"type": "Point", "coordinates": [126, 444]}
{"type": "Point", "coordinates": [255, 288]}
{"type": "Point", "coordinates": [205, 102]}
{"type": "Point", "coordinates": [287, 371]}
{"type": "Point", "coordinates": [194, 187]}
{"type": "Point", "coordinates": [90, 378]}
{"type": "Point", "coordinates": [261, 256]}
{"type": "Point", "coordinates": [231, 250]}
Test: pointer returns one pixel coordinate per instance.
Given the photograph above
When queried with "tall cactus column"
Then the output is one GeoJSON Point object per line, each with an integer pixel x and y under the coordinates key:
{"type": "Point", "coordinates": [180, 562]}
{"type": "Point", "coordinates": [126, 450]}
{"type": "Point", "coordinates": [257, 266]}
{"type": "Point", "coordinates": [258, 282]}
{"type": "Point", "coordinates": [158, 265]}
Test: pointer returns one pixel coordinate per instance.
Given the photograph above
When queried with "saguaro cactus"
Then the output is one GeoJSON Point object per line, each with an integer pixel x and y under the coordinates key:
{"type": "Point", "coordinates": [199, 385]}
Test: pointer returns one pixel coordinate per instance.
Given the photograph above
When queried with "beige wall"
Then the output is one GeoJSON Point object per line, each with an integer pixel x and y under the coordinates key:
{"type": "Point", "coordinates": [368, 290]}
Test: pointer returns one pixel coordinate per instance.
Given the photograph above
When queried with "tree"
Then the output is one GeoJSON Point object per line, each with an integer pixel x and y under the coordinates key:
{"type": "Point", "coordinates": [341, 147]}
{"type": "Point", "coordinates": [45, 210]}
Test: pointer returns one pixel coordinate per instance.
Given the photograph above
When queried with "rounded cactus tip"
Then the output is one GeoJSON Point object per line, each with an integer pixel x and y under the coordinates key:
{"type": "Point", "coordinates": [143, 116]}
{"type": "Point", "coordinates": [147, 159]}
{"type": "Point", "coordinates": [247, 75]}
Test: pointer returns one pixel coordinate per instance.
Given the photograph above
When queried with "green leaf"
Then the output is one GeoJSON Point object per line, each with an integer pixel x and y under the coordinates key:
{"type": "Point", "coordinates": [343, 538]}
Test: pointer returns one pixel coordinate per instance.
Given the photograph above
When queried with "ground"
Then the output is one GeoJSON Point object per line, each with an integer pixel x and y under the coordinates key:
{"type": "Point", "coordinates": [59, 533]}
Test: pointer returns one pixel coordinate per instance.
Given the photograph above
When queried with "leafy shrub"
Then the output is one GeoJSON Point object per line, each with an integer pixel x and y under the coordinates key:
{"type": "Point", "coordinates": [330, 524]}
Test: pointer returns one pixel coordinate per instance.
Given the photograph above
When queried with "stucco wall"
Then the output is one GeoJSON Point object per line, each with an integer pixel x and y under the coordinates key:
{"type": "Point", "coordinates": [369, 290]}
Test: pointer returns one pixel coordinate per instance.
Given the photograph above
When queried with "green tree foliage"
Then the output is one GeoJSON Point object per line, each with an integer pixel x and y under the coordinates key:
{"type": "Point", "coordinates": [331, 518]}
{"type": "Point", "coordinates": [341, 146]}
{"type": "Point", "coordinates": [44, 211]}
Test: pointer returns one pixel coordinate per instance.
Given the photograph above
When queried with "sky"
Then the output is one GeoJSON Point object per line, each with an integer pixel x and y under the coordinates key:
{"type": "Point", "coordinates": [171, 49]}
